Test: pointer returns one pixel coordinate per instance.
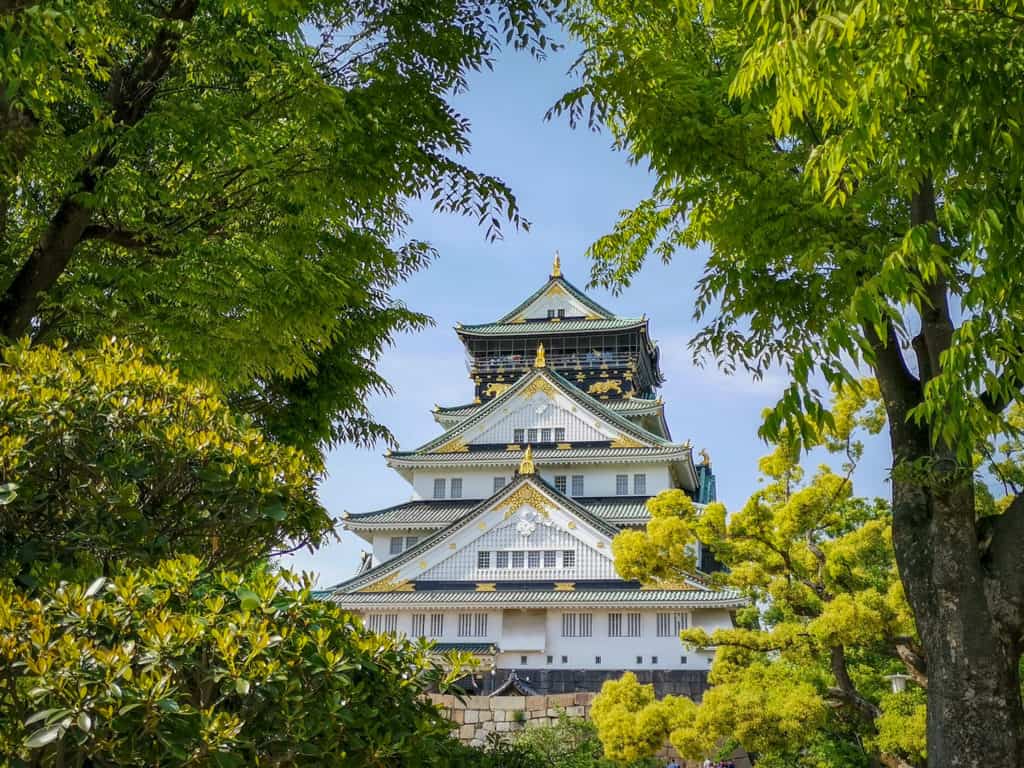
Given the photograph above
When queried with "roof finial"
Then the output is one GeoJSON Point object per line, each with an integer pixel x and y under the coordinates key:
{"type": "Point", "coordinates": [526, 465]}
{"type": "Point", "coordinates": [540, 361]}
{"type": "Point", "coordinates": [705, 457]}
{"type": "Point", "coordinates": [556, 266]}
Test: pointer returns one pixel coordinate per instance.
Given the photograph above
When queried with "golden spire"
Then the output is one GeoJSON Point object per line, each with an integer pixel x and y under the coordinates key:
{"type": "Point", "coordinates": [526, 465]}
{"type": "Point", "coordinates": [556, 266]}
{"type": "Point", "coordinates": [540, 361]}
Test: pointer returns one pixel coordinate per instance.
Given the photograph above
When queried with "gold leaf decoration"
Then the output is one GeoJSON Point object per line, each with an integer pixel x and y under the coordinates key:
{"type": "Point", "coordinates": [494, 389]}
{"type": "Point", "coordinates": [565, 586]}
{"type": "Point", "coordinates": [458, 445]}
{"type": "Point", "coordinates": [626, 442]}
{"type": "Point", "coordinates": [526, 495]}
{"type": "Point", "coordinates": [605, 387]}
{"type": "Point", "coordinates": [540, 384]}
{"type": "Point", "coordinates": [486, 587]}
{"type": "Point", "coordinates": [390, 583]}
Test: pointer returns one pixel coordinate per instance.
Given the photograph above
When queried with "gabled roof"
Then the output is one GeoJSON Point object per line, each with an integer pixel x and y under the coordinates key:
{"type": "Point", "coordinates": [392, 566]}
{"type": "Point", "coordinates": [533, 328]}
{"type": "Point", "coordinates": [710, 597]}
{"type": "Point", "coordinates": [449, 415]}
{"type": "Point", "coordinates": [550, 377]}
{"type": "Point", "coordinates": [569, 288]}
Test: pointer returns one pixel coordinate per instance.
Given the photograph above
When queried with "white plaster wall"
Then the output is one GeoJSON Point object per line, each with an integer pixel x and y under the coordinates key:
{"type": "Point", "coordinates": [580, 652]}
{"type": "Point", "coordinates": [598, 480]}
{"type": "Point", "coordinates": [540, 307]}
{"type": "Point", "coordinates": [382, 542]}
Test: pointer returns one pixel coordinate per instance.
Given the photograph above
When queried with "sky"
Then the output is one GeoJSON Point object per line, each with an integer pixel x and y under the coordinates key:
{"type": "Point", "coordinates": [570, 185]}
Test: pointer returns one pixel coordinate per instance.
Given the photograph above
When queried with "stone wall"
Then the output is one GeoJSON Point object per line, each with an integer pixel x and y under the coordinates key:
{"type": "Point", "coordinates": [479, 716]}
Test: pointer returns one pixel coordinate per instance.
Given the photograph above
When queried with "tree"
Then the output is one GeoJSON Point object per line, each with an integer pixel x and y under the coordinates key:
{"type": "Point", "coordinates": [107, 461]}
{"type": "Point", "coordinates": [802, 678]}
{"type": "Point", "coordinates": [226, 183]}
{"type": "Point", "coordinates": [179, 665]}
{"type": "Point", "coordinates": [855, 169]}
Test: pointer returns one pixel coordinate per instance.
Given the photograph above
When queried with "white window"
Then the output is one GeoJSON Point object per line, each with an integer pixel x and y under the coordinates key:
{"type": "Point", "coordinates": [483, 560]}
{"type": "Point", "coordinates": [533, 558]}
{"type": "Point", "coordinates": [577, 624]}
{"type": "Point", "coordinates": [419, 625]}
{"type": "Point", "coordinates": [531, 435]}
{"type": "Point", "coordinates": [518, 558]}
{"type": "Point", "coordinates": [410, 541]}
{"type": "Point", "coordinates": [438, 487]}
{"type": "Point", "coordinates": [559, 434]}
{"type": "Point", "coordinates": [671, 624]}
{"type": "Point", "coordinates": [639, 484]}
{"type": "Point", "coordinates": [568, 558]}
{"type": "Point", "coordinates": [632, 625]}
{"type": "Point", "coordinates": [545, 435]}
{"type": "Point", "coordinates": [560, 483]}
{"type": "Point", "coordinates": [577, 485]}
{"type": "Point", "coordinates": [437, 625]}
{"type": "Point", "coordinates": [518, 435]}
{"type": "Point", "coordinates": [472, 625]}
{"type": "Point", "coordinates": [396, 545]}
{"type": "Point", "coordinates": [501, 559]}
{"type": "Point", "coordinates": [622, 485]}
{"type": "Point", "coordinates": [614, 625]}
{"type": "Point", "coordinates": [456, 488]}
{"type": "Point", "coordinates": [550, 559]}
{"type": "Point", "coordinates": [499, 483]}
{"type": "Point", "coordinates": [382, 622]}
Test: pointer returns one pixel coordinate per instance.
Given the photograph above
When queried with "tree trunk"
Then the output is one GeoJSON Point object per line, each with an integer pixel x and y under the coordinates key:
{"type": "Point", "coordinates": [975, 715]}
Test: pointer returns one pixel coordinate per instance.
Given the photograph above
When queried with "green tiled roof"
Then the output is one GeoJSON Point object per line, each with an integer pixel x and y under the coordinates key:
{"type": "Point", "coordinates": [569, 288]}
{"type": "Point", "coordinates": [547, 327]}
{"type": "Point", "coordinates": [626, 405]}
{"type": "Point", "coordinates": [541, 456]}
{"type": "Point", "coordinates": [479, 648]}
{"type": "Point", "coordinates": [420, 514]}
{"type": "Point", "coordinates": [529, 598]}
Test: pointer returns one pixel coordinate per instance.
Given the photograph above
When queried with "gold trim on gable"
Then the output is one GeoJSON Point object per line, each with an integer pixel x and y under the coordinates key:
{"type": "Point", "coordinates": [626, 442]}
{"type": "Point", "coordinates": [540, 384]}
{"type": "Point", "coordinates": [527, 494]}
{"type": "Point", "coordinates": [565, 586]}
{"type": "Point", "coordinates": [564, 446]}
{"type": "Point", "coordinates": [390, 584]}
{"type": "Point", "coordinates": [671, 586]}
{"type": "Point", "coordinates": [486, 586]}
{"type": "Point", "coordinates": [458, 445]}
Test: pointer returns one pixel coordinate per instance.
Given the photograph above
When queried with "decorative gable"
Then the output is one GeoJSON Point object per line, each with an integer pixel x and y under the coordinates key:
{"type": "Point", "coordinates": [554, 299]}
{"type": "Point", "coordinates": [540, 410]}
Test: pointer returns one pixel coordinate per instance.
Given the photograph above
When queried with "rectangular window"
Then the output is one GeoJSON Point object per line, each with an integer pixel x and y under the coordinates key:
{"type": "Point", "coordinates": [419, 625]}
{"type": "Point", "coordinates": [632, 625]}
{"type": "Point", "coordinates": [396, 545]}
{"type": "Point", "coordinates": [499, 483]}
{"type": "Point", "coordinates": [382, 622]}
{"type": "Point", "coordinates": [545, 435]}
{"type": "Point", "coordinates": [597, 659]}
{"type": "Point", "coordinates": [518, 558]}
{"type": "Point", "coordinates": [483, 560]}
{"type": "Point", "coordinates": [551, 659]}
{"type": "Point", "coordinates": [552, 313]}
{"type": "Point", "coordinates": [550, 559]}
{"type": "Point", "coordinates": [559, 434]}
{"type": "Point", "coordinates": [639, 484]}
{"type": "Point", "coordinates": [373, 622]}
{"type": "Point", "coordinates": [561, 313]}
{"type": "Point", "coordinates": [577, 485]}
{"type": "Point", "coordinates": [614, 625]}
{"type": "Point", "coordinates": [639, 659]}
{"type": "Point", "coordinates": [501, 559]}
{"type": "Point", "coordinates": [518, 435]}
{"type": "Point", "coordinates": [480, 625]}
{"type": "Point", "coordinates": [671, 624]}
{"type": "Point", "coordinates": [522, 661]}
{"type": "Point", "coordinates": [565, 659]}
{"type": "Point", "coordinates": [410, 541]}
{"type": "Point", "coordinates": [465, 624]}
{"type": "Point", "coordinates": [577, 625]}
{"type": "Point", "coordinates": [654, 659]}
{"type": "Point", "coordinates": [569, 558]}
{"type": "Point", "coordinates": [533, 558]}
{"type": "Point", "coordinates": [682, 659]}
{"type": "Point", "coordinates": [437, 625]}
{"type": "Point", "coordinates": [560, 483]}
{"type": "Point", "coordinates": [531, 435]}
{"type": "Point", "coordinates": [456, 488]}
{"type": "Point", "coordinates": [438, 487]}
{"type": "Point", "coordinates": [622, 485]}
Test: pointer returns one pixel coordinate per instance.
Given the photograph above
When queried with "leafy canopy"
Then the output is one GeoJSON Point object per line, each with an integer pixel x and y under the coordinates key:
{"type": "Point", "coordinates": [801, 679]}
{"type": "Point", "coordinates": [107, 460]}
{"type": "Point", "coordinates": [226, 182]}
{"type": "Point", "coordinates": [180, 665]}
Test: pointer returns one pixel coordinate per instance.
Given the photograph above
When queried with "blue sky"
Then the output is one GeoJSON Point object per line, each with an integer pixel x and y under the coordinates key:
{"type": "Point", "coordinates": [570, 185]}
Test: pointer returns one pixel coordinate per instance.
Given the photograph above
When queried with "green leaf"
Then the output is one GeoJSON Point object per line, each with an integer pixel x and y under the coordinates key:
{"type": "Point", "coordinates": [43, 736]}
{"type": "Point", "coordinates": [242, 686]}
{"type": "Point", "coordinates": [248, 599]}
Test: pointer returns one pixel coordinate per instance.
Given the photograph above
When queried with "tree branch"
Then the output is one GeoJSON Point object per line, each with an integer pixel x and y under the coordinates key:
{"type": "Point", "coordinates": [120, 237]}
{"type": "Point", "coordinates": [846, 691]}
{"type": "Point", "coordinates": [1000, 538]}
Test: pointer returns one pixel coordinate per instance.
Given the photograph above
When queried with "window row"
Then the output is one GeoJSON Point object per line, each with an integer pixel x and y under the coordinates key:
{"type": "Point", "coordinates": [582, 624]}
{"type": "Point", "coordinates": [561, 484]}
{"type": "Point", "coordinates": [524, 660]}
{"type": "Point", "coordinates": [525, 558]}
{"type": "Point", "coordinates": [639, 485]}
{"type": "Point", "coordinates": [539, 435]}
{"type": "Point", "coordinates": [453, 486]}
{"type": "Point", "coordinates": [430, 625]}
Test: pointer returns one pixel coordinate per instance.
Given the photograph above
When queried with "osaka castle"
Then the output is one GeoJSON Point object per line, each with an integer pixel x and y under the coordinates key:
{"type": "Point", "coordinates": [505, 549]}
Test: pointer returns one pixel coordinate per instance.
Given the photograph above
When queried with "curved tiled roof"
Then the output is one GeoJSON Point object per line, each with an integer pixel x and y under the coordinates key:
{"type": "Point", "coordinates": [571, 289]}
{"type": "Point", "coordinates": [540, 327]}
{"type": "Point", "coordinates": [541, 456]}
{"type": "Point", "coordinates": [422, 513]}
{"type": "Point", "coordinates": [538, 598]}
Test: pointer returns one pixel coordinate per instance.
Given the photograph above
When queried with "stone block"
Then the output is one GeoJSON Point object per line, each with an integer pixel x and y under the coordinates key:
{"type": "Point", "coordinates": [442, 700]}
{"type": "Point", "coordinates": [467, 732]}
{"type": "Point", "coordinates": [471, 716]}
{"type": "Point", "coordinates": [500, 716]}
{"type": "Point", "coordinates": [585, 697]}
{"type": "Point", "coordinates": [574, 711]}
{"type": "Point", "coordinates": [485, 715]}
{"type": "Point", "coordinates": [508, 702]}
{"type": "Point", "coordinates": [535, 703]}
{"type": "Point", "coordinates": [456, 716]}
{"type": "Point", "coordinates": [562, 700]}
{"type": "Point", "coordinates": [504, 727]}
{"type": "Point", "coordinates": [478, 702]}
{"type": "Point", "coordinates": [553, 712]}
